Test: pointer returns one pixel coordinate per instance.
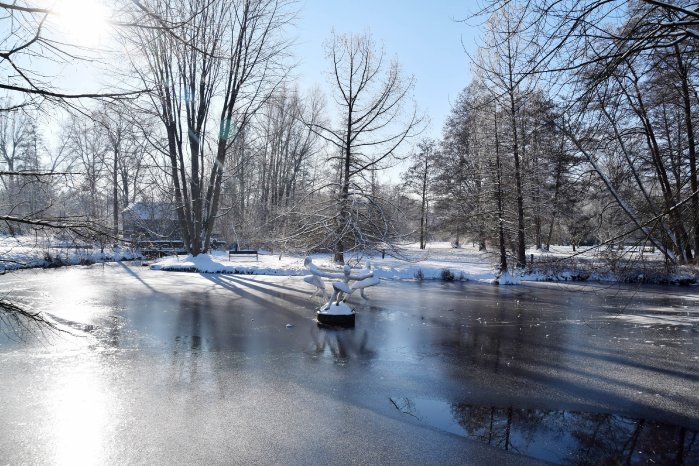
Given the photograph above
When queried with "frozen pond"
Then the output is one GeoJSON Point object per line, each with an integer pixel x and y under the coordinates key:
{"type": "Point", "coordinates": [187, 368]}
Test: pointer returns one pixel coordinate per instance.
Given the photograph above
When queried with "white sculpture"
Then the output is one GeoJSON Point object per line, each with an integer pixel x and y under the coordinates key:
{"type": "Point", "coordinates": [316, 281]}
{"type": "Point", "coordinates": [365, 279]}
{"type": "Point", "coordinates": [336, 311]}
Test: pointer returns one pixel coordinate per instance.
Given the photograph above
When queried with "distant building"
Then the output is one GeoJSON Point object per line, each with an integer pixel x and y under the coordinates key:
{"type": "Point", "coordinates": [153, 220]}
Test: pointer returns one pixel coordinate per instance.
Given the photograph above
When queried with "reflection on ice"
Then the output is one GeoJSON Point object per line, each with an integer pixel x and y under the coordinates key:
{"type": "Point", "coordinates": [564, 437]}
{"type": "Point", "coordinates": [341, 344]}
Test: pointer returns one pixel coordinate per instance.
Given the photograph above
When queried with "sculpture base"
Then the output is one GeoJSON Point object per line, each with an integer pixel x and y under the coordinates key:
{"type": "Point", "coordinates": [336, 314]}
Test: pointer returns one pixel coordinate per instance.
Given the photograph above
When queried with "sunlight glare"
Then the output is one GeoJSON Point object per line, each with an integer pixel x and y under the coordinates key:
{"type": "Point", "coordinates": [80, 417]}
{"type": "Point", "coordinates": [84, 23]}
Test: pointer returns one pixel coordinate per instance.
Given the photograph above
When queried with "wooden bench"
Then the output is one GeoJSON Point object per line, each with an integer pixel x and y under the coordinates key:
{"type": "Point", "coordinates": [151, 249]}
{"type": "Point", "coordinates": [162, 252]}
{"type": "Point", "coordinates": [241, 252]}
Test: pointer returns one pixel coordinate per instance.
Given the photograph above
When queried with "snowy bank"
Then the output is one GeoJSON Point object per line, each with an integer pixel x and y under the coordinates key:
{"type": "Point", "coordinates": [442, 262]}
{"type": "Point", "coordinates": [439, 262]}
{"type": "Point", "coordinates": [23, 252]}
{"type": "Point", "coordinates": [628, 264]}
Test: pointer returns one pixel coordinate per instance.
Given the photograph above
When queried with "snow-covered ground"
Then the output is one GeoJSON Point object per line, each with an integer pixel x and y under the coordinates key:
{"type": "Point", "coordinates": [606, 264]}
{"type": "Point", "coordinates": [438, 261]}
{"type": "Point", "coordinates": [21, 252]}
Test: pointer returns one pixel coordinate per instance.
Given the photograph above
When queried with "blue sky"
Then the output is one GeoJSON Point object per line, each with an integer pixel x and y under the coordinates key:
{"type": "Point", "coordinates": [423, 35]}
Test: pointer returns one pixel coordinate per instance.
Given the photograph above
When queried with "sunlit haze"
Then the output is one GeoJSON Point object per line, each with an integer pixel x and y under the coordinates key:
{"type": "Point", "coordinates": [82, 22]}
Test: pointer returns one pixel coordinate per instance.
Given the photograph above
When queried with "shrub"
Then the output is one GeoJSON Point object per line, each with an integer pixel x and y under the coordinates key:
{"type": "Point", "coordinates": [447, 275]}
{"type": "Point", "coordinates": [53, 261]}
{"type": "Point", "coordinates": [86, 260]}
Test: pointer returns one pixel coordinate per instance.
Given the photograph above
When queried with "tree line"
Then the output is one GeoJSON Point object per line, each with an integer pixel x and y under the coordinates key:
{"type": "Point", "coordinates": [577, 128]}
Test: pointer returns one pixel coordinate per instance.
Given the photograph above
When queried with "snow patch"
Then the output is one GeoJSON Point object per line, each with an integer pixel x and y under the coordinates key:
{"type": "Point", "coordinates": [655, 319]}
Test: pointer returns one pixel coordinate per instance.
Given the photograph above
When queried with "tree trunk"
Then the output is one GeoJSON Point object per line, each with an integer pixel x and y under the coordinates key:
{"type": "Point", "coordinates": [680, 234]}
{"type": "Point", "coordinates": [617, 197]}
{"type": "Point", "coordinates": [554, 207]}
{"type": "Point", "coordinates": [479, 212]}
{"type": "Point", "coordinates": [498, 196]}
{"type": "Point", "coordinates": [339, 256]}
{"type": "Point", "coordinates": [689, 127]}
{"type": "Point", "coordinates": [521, 253]}
{"type": "Point", "coordinates": [423, 213]}
{"type": "Point", "coordinates": [115, 194]}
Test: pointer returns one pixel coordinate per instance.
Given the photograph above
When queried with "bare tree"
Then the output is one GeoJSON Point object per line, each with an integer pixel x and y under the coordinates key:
{"type": "Point", "coordinates": [124, 147]}
{"type": "Point", "coordinates": [627, 81]}
{"type": "Point", "coordinates": [285, 145]}
{"type": "Point", "coordinates": [225, 54]}
{"type": "Point", "coordinates": [375, 116]}
{"type": "Point", "coordinates": [89, 146]}
{"type": "Point", "coordinates": [418, 179]}
{"type": "Point", "coordinates": [503, 63]}
{"type": "Point", "coordinates": [17, 136]}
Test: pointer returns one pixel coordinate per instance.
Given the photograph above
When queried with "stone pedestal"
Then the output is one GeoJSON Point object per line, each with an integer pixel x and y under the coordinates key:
{"type": "Point", "coordinates": [339, 314]}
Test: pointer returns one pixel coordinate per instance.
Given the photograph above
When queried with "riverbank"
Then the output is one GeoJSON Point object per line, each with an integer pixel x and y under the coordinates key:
{"type": "Point", "coordinates": [29, 252]}
{"type": "Point", "coordinates": [440, 261]}
{"type": "Point", "coordinates": [437, 262]}
{"type": "Point", "coordinates": [628, 264]}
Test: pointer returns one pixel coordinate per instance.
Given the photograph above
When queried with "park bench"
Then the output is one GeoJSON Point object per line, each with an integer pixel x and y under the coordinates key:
{"type": "Point", "coordinates": [151, 249]}
{"type": "Point", "coordinates": [241, 252]}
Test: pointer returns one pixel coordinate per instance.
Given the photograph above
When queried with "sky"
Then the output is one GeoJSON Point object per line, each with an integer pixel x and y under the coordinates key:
{"type": "Point", "coordinates": [424, 36]}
